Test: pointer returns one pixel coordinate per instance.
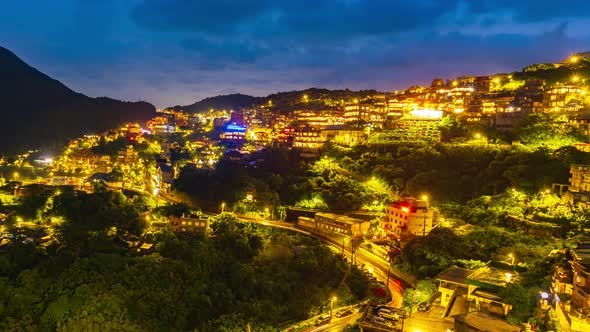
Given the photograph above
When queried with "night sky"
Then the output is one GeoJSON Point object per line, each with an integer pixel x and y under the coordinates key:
{"type": "Point", "coordinates": [177, 51]}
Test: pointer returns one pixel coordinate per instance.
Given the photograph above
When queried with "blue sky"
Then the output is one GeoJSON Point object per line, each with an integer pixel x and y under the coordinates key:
{"type": "Point", "coordinates": [177, 51]}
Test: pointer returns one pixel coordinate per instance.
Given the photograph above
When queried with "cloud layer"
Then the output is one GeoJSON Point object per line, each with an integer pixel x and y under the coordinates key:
{"type": "Point", "coordinates": [175, 51]}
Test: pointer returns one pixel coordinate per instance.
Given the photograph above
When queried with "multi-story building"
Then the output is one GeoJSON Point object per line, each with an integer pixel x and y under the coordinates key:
{"type": "Point", "coordinates": [308, 139]}
{"type": "Point", "coordinates": [233, 133]}
{"type": "Point", "coordinates": [364, 113]}
{"type": "Point", "coordinates": [581, 122]}
{"type": "Point", "coordinates": [318, 119]}
{"type": "Point", "coordinates": [563, 98]}
{"type": "Point", "coordinates": [579, 185]}
{"type": "Point", "coordinates": [344, 136]}
{"type": "Point", "coordinates": [193, 223]}
{"type": "Point", "coordinates": [408, 217]}
{"type": "Point", "coordinates": [574, 314]}
{"type": "Point", "coordinates": [336, 224]}
{"type": "Point", "coordinates": [127, 156]}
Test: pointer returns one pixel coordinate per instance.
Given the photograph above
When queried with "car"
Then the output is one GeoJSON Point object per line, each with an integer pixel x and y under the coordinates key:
{"type": "Point", "coordinates": [385, 310]}
{"type": "Point", "coordinates": [344, 313]}
{"type": "Point", "coordinates": [379, 320]}
{"type": "Point", "coordinates": [388, 315]}
{"type": "Point", "coordinates": [424, 306]}
{"type": "Point", "coordinates": [323, 320]}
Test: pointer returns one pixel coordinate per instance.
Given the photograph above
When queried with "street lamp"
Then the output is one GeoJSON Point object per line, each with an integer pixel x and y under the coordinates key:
{"type": "Point", "coordinates": [332, 300]}
{"type": "Point", "coordinates": [15, 175]}
{"type": "Point", "coordinates": [222, 207]}
{"type": "Point", "coordinates": [508, 277]}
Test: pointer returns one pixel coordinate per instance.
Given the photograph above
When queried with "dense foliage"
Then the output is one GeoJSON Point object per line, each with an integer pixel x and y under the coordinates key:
{"type": "Point", "coordinates": [240, 274]}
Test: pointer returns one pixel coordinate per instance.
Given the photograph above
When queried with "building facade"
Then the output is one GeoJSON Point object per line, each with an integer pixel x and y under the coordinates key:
{"type": "Point", "coordinates": [408, 217]}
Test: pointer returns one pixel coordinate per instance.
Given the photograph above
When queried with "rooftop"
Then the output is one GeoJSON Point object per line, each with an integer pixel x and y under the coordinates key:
{"type": "Point", "coordinates": [493, 276]}
{"type": "Point", "coordinates": [455, 275]}
{"type": "Point", "coordinates": [341, 218]}
{"type": "Point", "coordinates": [483, 322]}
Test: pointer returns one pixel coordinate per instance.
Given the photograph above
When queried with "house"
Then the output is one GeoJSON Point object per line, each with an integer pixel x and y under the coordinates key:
{"type": "Point", "coordinates": [463, 290]}
{"type": "Point", "coordinates": [579, 185]}
{"type": "Point", "coordinates": [407, 217]}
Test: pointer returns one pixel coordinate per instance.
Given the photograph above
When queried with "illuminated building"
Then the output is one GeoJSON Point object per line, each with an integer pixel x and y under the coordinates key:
{"type": "Point", "coordinates": [233, 133]}
{"type": "Point", "coordinates": [360, 113]}
{"type": "Point", "coordinates": [286, 135]}
{"type": "Point", "coordinates": [579, 185]}
{"type": "Point", "coordinates": [193, 223]}
{"type": "Point", "coordinates": [308, 139]}
{"type": "Point", "coordinates": [399, 106]}
{"type": "Point", "coordinates": [336, 224]}
{"type": "Point", "coordinates": [259, 135]}
{"type": "Point", "coordinates": [563, 98]}
{"type": "Point", "coordinates": [318, 119]}
{"type": "Point", "coordinates": [574, 281]}
{"type": "Point", "coordinates": [582, 123]}
{"type": "Point", "coordinates": [342, 136]}
{"type": "Point", "coordinates": [127, 156]}
{"type": "Point", "coordinates": [408, 217]}
{"type": "Point", "coordinates": [459, 97]}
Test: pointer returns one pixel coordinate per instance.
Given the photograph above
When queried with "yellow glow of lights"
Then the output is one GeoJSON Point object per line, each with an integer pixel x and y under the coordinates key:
{"type": "Point", "coordinates": [575, 78]}
{"type": "Point", "coordinates": [496, 80]}
{"type": "Point", "coordinates": [424, 197]}
{"type": "Point", "coordinates": [455, 83]}
{"type": "Point", "coordinates": [508, 277]}
{"type": "Point", "coordinates": [478, 135]}
{"type": "Point", "coordinates": [427, 113]}
{"type": "Point", "coordinates": [574, 59]}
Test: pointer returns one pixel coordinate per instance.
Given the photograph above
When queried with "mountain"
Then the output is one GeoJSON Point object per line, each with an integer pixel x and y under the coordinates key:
{"type": "Point", "coordinates": [281, 101]}
{"type": "Point", "coordinates": [39, 111]}
{"type": "Point", "coordinates": [222, 102]}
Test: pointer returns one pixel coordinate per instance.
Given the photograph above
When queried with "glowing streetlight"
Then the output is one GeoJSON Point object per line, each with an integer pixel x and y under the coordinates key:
{"type": "Point", "coordinates": [332, 300]}
{"type": "Point", "coordinates": [575, 78]}
{"type": "Point", "coordinates": [305, 97]}
{"type": "Point", "coordinates": [455, 83]}
{"type": "Point", "coordinates": [15, 176]}
{"type": "Point", "coordinates": [477, 135]}
{"type": "Point", "coordinates": [574, 59]}
{"type": "Point", "coordinates": [508, 276]}
{"type": "Point", "coordinates": [222, 207]}
{"type": "Point", "coordinates": [496, 80]}
{"type": "Point", "coordinates": [424, 197]}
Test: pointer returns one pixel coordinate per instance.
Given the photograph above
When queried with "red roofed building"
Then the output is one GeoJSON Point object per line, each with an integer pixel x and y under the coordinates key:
{"type": "Point", "coordinates": [408, 217]}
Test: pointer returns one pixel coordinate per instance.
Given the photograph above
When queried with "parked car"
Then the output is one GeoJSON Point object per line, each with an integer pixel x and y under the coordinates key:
{"type": "Point", "coordinates": [388, 315]}
{"type": "Point", "coordinates": [344, 313]}
{"type": "Point", "coordinates": [424, 306]}
{"type": "Point", "coordinates": [323, 320]}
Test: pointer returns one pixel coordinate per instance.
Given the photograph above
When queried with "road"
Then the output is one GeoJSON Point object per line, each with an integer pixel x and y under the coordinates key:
{"type": "Point", "coordinates": [338, 324]}
{"type": "Point", "coordinates": [429, 321]}
{"type": "Point", "coordinates": [379, 266]}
